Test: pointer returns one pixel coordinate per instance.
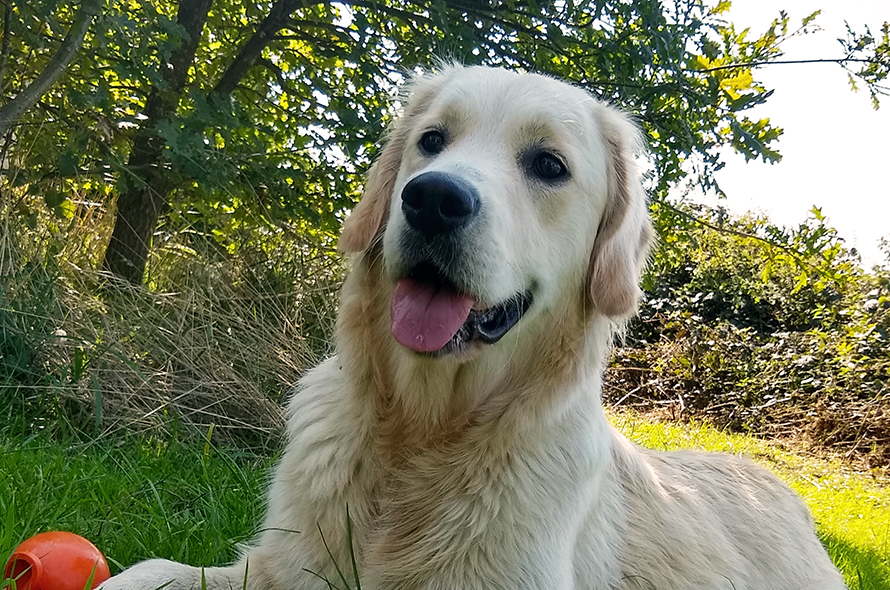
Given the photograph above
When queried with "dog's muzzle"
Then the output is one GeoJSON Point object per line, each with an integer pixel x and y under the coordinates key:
{"type": "Point", "coordinates": [433, 310]}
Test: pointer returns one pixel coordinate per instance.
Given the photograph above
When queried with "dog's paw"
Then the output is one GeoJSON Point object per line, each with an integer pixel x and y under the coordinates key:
{"type": "Point", "coordinates": [156, 574]}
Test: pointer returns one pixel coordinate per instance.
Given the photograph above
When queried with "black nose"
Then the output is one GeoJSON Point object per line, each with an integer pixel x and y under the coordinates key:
{"type": "Point", "coordinates": [437, 203]}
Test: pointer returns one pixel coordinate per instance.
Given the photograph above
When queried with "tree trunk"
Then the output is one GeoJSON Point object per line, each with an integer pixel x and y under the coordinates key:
{"type": "Point", "coordinates": [144, 197]}
{"type": "Point", "coordinates": [139, 207]}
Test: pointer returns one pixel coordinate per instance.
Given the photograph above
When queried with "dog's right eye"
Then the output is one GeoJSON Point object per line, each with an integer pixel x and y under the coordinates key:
{"type": "Point", "coordinates": [548, 167]}
{"type": "Point", "coordinates": [432, 142]}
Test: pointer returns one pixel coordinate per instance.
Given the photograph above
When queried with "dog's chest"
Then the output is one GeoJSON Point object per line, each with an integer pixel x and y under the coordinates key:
{"type": "Point", "coordinates": [459, 520]}
{"type": "Point", "coordinates": [437, 523]}
{"type": "Point", "coordinates": [472, 513]}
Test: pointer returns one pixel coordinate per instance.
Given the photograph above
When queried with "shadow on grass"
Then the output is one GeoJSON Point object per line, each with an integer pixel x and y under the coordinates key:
{"type": "Point", "coordinates": [863, 570]}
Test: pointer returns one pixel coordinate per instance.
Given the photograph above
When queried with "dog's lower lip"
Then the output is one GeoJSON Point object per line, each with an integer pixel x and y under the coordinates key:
{"type": "Point", "coordinates": [489, 325]}
{"type": "Point", "coordinates": [494, 323]}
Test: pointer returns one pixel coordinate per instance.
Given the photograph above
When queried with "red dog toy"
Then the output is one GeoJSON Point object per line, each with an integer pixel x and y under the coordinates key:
{"type": "Point", "coordinates": [56, 561]}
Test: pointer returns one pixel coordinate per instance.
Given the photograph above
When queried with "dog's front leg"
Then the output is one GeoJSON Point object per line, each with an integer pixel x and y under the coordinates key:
{"type": "Point", "coordinates": [156, 574]}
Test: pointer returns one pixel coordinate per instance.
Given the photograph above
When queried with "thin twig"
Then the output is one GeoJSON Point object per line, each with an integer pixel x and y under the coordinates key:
{"type": "Point", "coordinates": [7, 47]}
{"type": "Point", "coordinates": [754, 64]}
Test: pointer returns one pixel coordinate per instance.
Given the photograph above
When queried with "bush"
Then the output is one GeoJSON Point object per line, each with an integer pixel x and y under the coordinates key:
{"type": "Point", "coordinates": [765, 330]}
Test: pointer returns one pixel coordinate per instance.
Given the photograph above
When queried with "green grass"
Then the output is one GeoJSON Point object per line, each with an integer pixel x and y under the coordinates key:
{"type": "Point", "coordinates": [852, 509]}
{"type": "Point", "coordinates": [193, 502]}
{"type": "Point", "coordinates": [134, 500]}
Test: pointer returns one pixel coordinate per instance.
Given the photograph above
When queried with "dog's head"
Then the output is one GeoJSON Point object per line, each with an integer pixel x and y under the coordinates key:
{"type": "Point", "coordinates": [497, 197]}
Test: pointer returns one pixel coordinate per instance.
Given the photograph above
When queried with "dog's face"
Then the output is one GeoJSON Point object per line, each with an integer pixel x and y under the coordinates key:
{"type": "Point", "coordinates": [497, 196]}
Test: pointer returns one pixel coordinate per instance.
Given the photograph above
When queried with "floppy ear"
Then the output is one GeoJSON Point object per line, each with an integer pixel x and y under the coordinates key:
{"type": "Point", "coordinates": [625, 231]}
{"type": "Point", "coordinates": [364, 226]}
{"type": "Point", "coordinates": [366, 222]}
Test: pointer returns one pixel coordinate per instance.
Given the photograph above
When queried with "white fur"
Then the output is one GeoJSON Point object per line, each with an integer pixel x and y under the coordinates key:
{"type": "Point", "coordinates": [495, 468]}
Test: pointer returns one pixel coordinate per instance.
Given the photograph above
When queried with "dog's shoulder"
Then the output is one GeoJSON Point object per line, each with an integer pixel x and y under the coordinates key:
{"type": "Point", "coordinates": [323, 390]}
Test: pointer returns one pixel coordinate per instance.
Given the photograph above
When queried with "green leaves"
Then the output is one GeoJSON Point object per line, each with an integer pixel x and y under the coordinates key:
{"type": "Point", "coordinates": [290, 138]}
{"type": "Point", "coordinates": [874, 68]}
{"type": "Point", "coordinates": [767, 276]}
{"type": "Point", "coordinates": [752, 139]}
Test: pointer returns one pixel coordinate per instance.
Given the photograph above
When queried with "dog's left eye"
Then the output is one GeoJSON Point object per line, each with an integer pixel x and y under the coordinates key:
{"type": "Point", "coordinates": [548, 167]}
{"type": "Point", "coordinates": [432, 142]}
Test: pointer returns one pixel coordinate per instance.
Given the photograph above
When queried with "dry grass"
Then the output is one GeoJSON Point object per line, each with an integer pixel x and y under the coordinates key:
{"type": "Point", "coordinates": [218, 341]}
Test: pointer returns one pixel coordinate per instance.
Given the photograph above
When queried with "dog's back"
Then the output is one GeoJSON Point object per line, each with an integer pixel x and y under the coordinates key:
{"type": "Point", "coordinates": [708, 520]}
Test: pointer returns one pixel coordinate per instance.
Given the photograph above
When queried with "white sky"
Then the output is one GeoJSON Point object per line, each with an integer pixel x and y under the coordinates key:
{"type": "Point", "coordinates": [836, 148]}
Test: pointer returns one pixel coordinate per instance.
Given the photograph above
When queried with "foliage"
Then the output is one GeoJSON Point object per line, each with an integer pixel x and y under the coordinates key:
{"type": "Point", "coordinates": [873, 71]}
{"type": "Point", "coordinates": [256, 137]}
{"type": "Point", "coordinates": [779, 334]}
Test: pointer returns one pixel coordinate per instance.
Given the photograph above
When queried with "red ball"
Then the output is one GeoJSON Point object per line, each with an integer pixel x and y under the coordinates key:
{"type": "Point", "coordinates": [56, 561]}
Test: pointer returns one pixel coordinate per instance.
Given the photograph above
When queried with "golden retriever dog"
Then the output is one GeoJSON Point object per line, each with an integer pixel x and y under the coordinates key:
{"type": "Point", "coordinates": [456, 440]}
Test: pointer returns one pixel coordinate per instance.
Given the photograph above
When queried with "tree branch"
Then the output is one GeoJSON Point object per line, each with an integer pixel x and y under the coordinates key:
{"type": "Point", "coordinates": [405, 15]}
{"type": "Point", "coordinates": [278, 18]}
{"type": "Point", "coordinates": [14, 109]}
{"type": "Point", "coordinates": [280, 77]}
{"type": "Point", "coordinates": [754, 64]}
{"type": "Point", "coordinates": [7, 33]}
{"type": "Point", "coordinates": [191, 16]}
{"type": "Point", "coordinates": [340, 32]}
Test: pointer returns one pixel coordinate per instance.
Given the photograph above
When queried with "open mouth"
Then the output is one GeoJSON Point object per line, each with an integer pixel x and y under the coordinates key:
{"type": "Point", "coordinates": [430, 314]}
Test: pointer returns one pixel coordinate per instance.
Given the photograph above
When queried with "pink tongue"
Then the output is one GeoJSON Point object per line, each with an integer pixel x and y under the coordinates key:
{"type": "Point", "coordinates": [425, 317]}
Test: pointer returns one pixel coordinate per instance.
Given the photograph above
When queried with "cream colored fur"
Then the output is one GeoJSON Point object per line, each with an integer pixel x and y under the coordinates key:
{"type": "Point", "coordinates": [495, 468]}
